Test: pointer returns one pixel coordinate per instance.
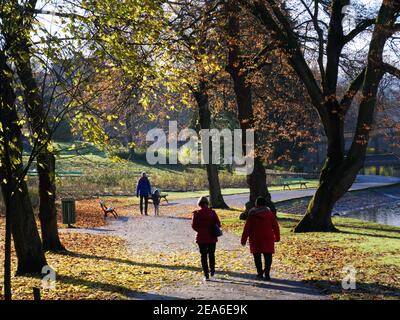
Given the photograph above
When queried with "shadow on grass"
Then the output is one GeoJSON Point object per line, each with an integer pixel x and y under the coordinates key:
{"type": "Point", "coordinates": [369, 234]}
{"type": "Point", "coordinates": [362, 288]}
{"type": "Point", "coordinates": [288, 220]}
{"type": "Point", "coordinates": [383, 229]}
{"type": "Point", "coordinates": [112, 288]}
{"type": "Point", "coordinates": [284, 285]}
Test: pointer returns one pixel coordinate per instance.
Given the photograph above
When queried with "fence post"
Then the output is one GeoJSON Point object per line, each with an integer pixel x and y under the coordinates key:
{"type": "Point", "coordinates": [36, 294]}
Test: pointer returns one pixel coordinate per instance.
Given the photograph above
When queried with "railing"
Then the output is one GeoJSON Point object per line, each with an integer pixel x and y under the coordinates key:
{"type": "Point", "coordinates": [34, 173]}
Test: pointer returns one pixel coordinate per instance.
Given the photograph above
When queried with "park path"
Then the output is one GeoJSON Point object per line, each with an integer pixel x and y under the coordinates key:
{"type": "Point", "coordinates": [173, 234]}
{"type": "Point", "coordinates": [363, 182]}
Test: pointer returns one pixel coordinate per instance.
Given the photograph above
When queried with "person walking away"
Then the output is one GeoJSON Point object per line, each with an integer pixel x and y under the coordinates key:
{"type": "Point", "coordinates": [204, 221]}
{"type": "Point", "coordinates": [143, 190]}
{"type": "Point", "coordinates": [156, 202]}
{"type": "Point", "coordinates": [262, 230]}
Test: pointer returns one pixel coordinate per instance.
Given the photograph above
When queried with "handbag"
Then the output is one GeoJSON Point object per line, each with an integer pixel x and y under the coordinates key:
{"type": "Point", "coordinates": [217, 232]}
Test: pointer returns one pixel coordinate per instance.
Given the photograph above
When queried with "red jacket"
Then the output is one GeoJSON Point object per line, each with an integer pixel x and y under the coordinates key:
{"type": "Point", "coordinates": [262, 229]}
{"type": "Point", "coordinates": [203, 221]}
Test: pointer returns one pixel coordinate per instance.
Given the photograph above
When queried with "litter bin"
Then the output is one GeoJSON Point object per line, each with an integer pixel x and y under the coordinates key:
{"type": "Point", "coordinates": [68, 211]}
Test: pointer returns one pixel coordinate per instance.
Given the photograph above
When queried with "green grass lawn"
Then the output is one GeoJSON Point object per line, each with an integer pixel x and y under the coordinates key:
{"type": "Point", "coordinates": [372, 249]}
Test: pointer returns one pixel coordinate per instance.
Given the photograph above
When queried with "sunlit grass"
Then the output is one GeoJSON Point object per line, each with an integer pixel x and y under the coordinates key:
{"type": "Point", "coordinates": [372, 249]}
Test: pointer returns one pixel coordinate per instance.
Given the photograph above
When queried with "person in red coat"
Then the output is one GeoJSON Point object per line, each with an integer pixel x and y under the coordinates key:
{"type": "Point", "coordinates": [262, 229]}
{"type": "Point", "coordinates": [203, 222]}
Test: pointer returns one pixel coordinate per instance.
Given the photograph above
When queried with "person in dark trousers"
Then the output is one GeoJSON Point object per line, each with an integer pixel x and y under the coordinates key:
{"type": "Point", "coordinates": [143, 189]}
{"type": "Point", "coordinates": [203, 222]}
{"type": "Point", "coordinates": [262, 230]}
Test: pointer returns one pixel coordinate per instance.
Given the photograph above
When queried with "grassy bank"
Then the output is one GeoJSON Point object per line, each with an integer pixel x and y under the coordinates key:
{"type": "Point", "coordinates": [372, 249]}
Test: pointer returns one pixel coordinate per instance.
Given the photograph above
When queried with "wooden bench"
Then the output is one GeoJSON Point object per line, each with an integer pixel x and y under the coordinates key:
{"type": "Point", "coordinates": [107, 210]}
{"type": "Point", "coordinates": [293, 181]}
{"type": "Point", "coordinates": [164, 196]}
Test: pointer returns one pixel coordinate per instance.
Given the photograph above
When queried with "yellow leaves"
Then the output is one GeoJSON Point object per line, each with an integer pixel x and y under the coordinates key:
{"type": "Point", "coordinates": [111, 117]}
{"type": "Point", "coordinates": [50, 147]}
{"type": "Point", "coordinates": [21, 122]}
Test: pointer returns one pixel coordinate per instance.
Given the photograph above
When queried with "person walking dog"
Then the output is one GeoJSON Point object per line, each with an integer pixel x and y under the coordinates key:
{"type": "Point", "coordinates": [206, 223]}
{"type": "Point", "coordinates": [262, 230]}
{"type": "Point", "coordinates": [143, 189]}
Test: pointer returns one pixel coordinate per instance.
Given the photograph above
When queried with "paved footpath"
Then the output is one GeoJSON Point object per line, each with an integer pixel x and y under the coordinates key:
{"type": "Point", "coordinates": [174, 234]}
{"type": "Point", "coordinates": [363, 182]}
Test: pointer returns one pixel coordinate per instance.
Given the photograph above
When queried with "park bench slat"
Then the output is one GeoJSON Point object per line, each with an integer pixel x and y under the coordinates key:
{"type": "Point", "coordinates": [293, 181]}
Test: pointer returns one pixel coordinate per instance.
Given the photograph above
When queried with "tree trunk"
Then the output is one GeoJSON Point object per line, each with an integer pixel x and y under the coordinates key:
{"type": "Point", "coordinates": [47, 207]}
{"type": "Point", "coordinates": [7, 99]}
{"type": "Point", "coordinates": [130, 133]}
{"type": "Point", "coordinates": [257, 179]}
{"type": "Point", "coordinates": [27, 242]}
{"type": "Point", "coordinates": [7, 248]}
{"type": "Point", "coordinates": [340, 171]}
{"type": "Point", "coordinates": [216, 198]}
{"type": "Point", "coordinates": [46, 159]}
{"type": "Point", "coordinates": [335, 181]}
{"type": "Point", "coordinates": [318, 216]}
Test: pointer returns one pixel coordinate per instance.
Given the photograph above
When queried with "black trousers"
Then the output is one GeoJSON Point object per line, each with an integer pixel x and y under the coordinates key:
{"type": "Point", "coordinates": [207, 252]}
{"type": "Point", "coordinates": [258, 263]}
{"type": "Point", "coordinates": [146, 204]}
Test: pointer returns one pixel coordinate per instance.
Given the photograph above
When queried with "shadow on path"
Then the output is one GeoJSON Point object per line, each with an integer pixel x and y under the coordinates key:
{"type": "Point", "coordinates": [284, 285]}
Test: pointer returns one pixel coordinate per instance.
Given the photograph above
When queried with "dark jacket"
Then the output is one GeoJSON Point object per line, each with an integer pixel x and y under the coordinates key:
{"type": "Point", "coordinates": [203, 222]}
{"type": "Point", "coordinates": [143, 187]}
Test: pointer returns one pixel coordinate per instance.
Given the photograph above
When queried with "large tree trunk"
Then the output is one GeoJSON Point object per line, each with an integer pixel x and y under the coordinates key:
{"type": "Point", "coordinates": [46, 159]}
{"type": "Point", "coordinates": [216, 199]}
{"type": "Point", "coordinates": [7, 99]}
{"type": "Point", "coordinates": [47, 207]}
{"type": "Point", "coordinates": [334, 182]}
{"type": "Point", "coordinates": [340, 171]}
{"type": "Point", "coordinates": [27, 242]}
{"type": "Point", "coordinates": [257, 179]}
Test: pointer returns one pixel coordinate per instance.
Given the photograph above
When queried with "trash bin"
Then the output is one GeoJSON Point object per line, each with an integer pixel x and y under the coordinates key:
{"type": "Point", "coordinates": [68, 211]}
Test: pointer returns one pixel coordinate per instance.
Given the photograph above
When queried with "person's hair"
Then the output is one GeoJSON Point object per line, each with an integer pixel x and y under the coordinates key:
{"type": "Point", "coordinates": [143, 173]}
{"type": "Point", "coordinates": [202, 201]}
{"type": "Point", "coordinates": [260, 201]}
{"type": "Point", "coordinates": [248, 205]}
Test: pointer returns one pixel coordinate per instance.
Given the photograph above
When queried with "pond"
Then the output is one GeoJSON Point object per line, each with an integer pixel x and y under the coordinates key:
{"type": "Point", "coordinates": [380, 205]}
{"type": "Point", "coordinates": [384, 214]}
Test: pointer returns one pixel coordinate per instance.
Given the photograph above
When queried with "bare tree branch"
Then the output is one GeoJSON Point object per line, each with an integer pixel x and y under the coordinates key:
{"type": "Point", "coordinates": [391, 70]}
{"type": "Point", "coordinates": [362, 26]}
{"type": "Point", "coordinates": [354, 87]}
